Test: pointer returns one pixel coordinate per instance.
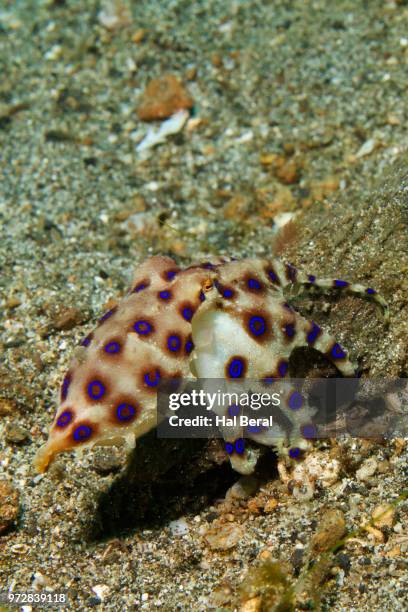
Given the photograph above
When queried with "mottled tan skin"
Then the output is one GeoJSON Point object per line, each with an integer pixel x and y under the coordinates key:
{"type": "Point", "coordinates": [109, 392]}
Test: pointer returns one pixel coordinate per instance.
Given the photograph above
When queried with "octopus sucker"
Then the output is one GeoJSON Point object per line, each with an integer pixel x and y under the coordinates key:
{"type": "Point", "coordinates": [220, 319]}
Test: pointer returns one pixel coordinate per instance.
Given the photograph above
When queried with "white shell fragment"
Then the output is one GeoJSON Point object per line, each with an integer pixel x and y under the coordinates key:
{"type": "Point", "coordinates": [155, 136]}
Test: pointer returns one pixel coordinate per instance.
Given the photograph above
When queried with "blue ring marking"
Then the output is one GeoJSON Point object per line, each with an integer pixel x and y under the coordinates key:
{"type": "Point", "coordinates": [313, 334]}
{"type": "Point", "coordinates": [257, 325]}
{"type": "Point", "coordinates": [187, 313]}
{"type": "Point", "coordinates": [273, 276]}
{"type": "Point", "coordinates": [65, 386]}
{"type": "Point", "coordinates": [311, 278]}
{"type": "Point", "coordinates": [295, 400]}
{"type": "Point", "coordinates": [155, 381]}
{"type": "Point", "coordinates": [96, 389]}
{"type": "Point", "coordinates": [81, 433]}
{"type": "Point", "coordinates": [165, 295]}
{"type": "Point", "coordinates": [294, 452]}
{"type": "Point", "coordinates": [290, 330]}
{"type": "Point", "coordinates": [370, 291]}
{"type": "Point", "coordinates": [253, 429]}
{"type": "Point", "coordinates": [337, 352]}
{"type": "Point", "coordinates": [201, 296]}
{"type": "Point", "coordinates": [64, 418]}
{"type": "Point", "coordinates": [140, 287]}
{"type": "Point", "coordinates": [283, 368]}
{"type": "Point", "coordinates": [234, 410]}
{"type": "Point", "coordinates": [253, 284]}
{"type": "Point", "coordinates": [341, 283]}
{"type": "Point", "coordinates": [125, 412]}
{"type": "Point", "coordinates": [143, 328]}
{"type": "Point", "coordinates": [107, 315]}
{"type": "Point", "coordinates": [236, 368]}
{"type": "Point", "coordinates": [112, 347]}
{"type": "Point", "coordinates": [87, 340]}
{"type": "Point", "coordinates": [170, 274]}
{"type": "Point", "coordinates": [173, 343]}
{"type": "Point", "coordinates": [189, 346]}
{"type": "Point", "coordinates": [308, 431]}
{"type": "Point", "coordinates": [239, 445]}
{"type": "Point", "coordinates": [229, 448]}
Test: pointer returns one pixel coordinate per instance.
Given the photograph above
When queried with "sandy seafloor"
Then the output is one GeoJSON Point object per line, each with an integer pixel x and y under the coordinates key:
{"type": "Point", "coordinates": [323, 85]}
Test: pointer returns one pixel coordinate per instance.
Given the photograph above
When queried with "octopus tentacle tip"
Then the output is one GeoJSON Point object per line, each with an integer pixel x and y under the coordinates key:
{"type": "Point", "coordinates": [42, 459]}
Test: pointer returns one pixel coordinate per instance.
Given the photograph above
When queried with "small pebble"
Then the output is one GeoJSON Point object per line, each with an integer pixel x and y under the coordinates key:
{"type": "Point", "coordinates": [383, 515]}
{"type": "Point", "coordinates": [330, 530]}
{"type": "Point", "coordinates": [68, 318]}
{"type": "Point", "coordinates": [101, 591]}
{"type": "Point", "coordinates": [224, 536]}
{"type": "Point", "coordinates": [17, 435]}
{"type": "Point", "coordinates": [163, 97]}
{"type": "Point", "coordinates": [244, 488]}
{"type": "Point", "coordinates": [367, 148]}
{"type": "Point", "coordinates": [367, 469]}
{"type": "Point", "coordinates": [7, 407]}
{"type": "Point", "coordinates": [107, 460]}
{"type": "Point", "coordinates": [179, 527]}
{"type": "Point", "coordinates": [9, 505]}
